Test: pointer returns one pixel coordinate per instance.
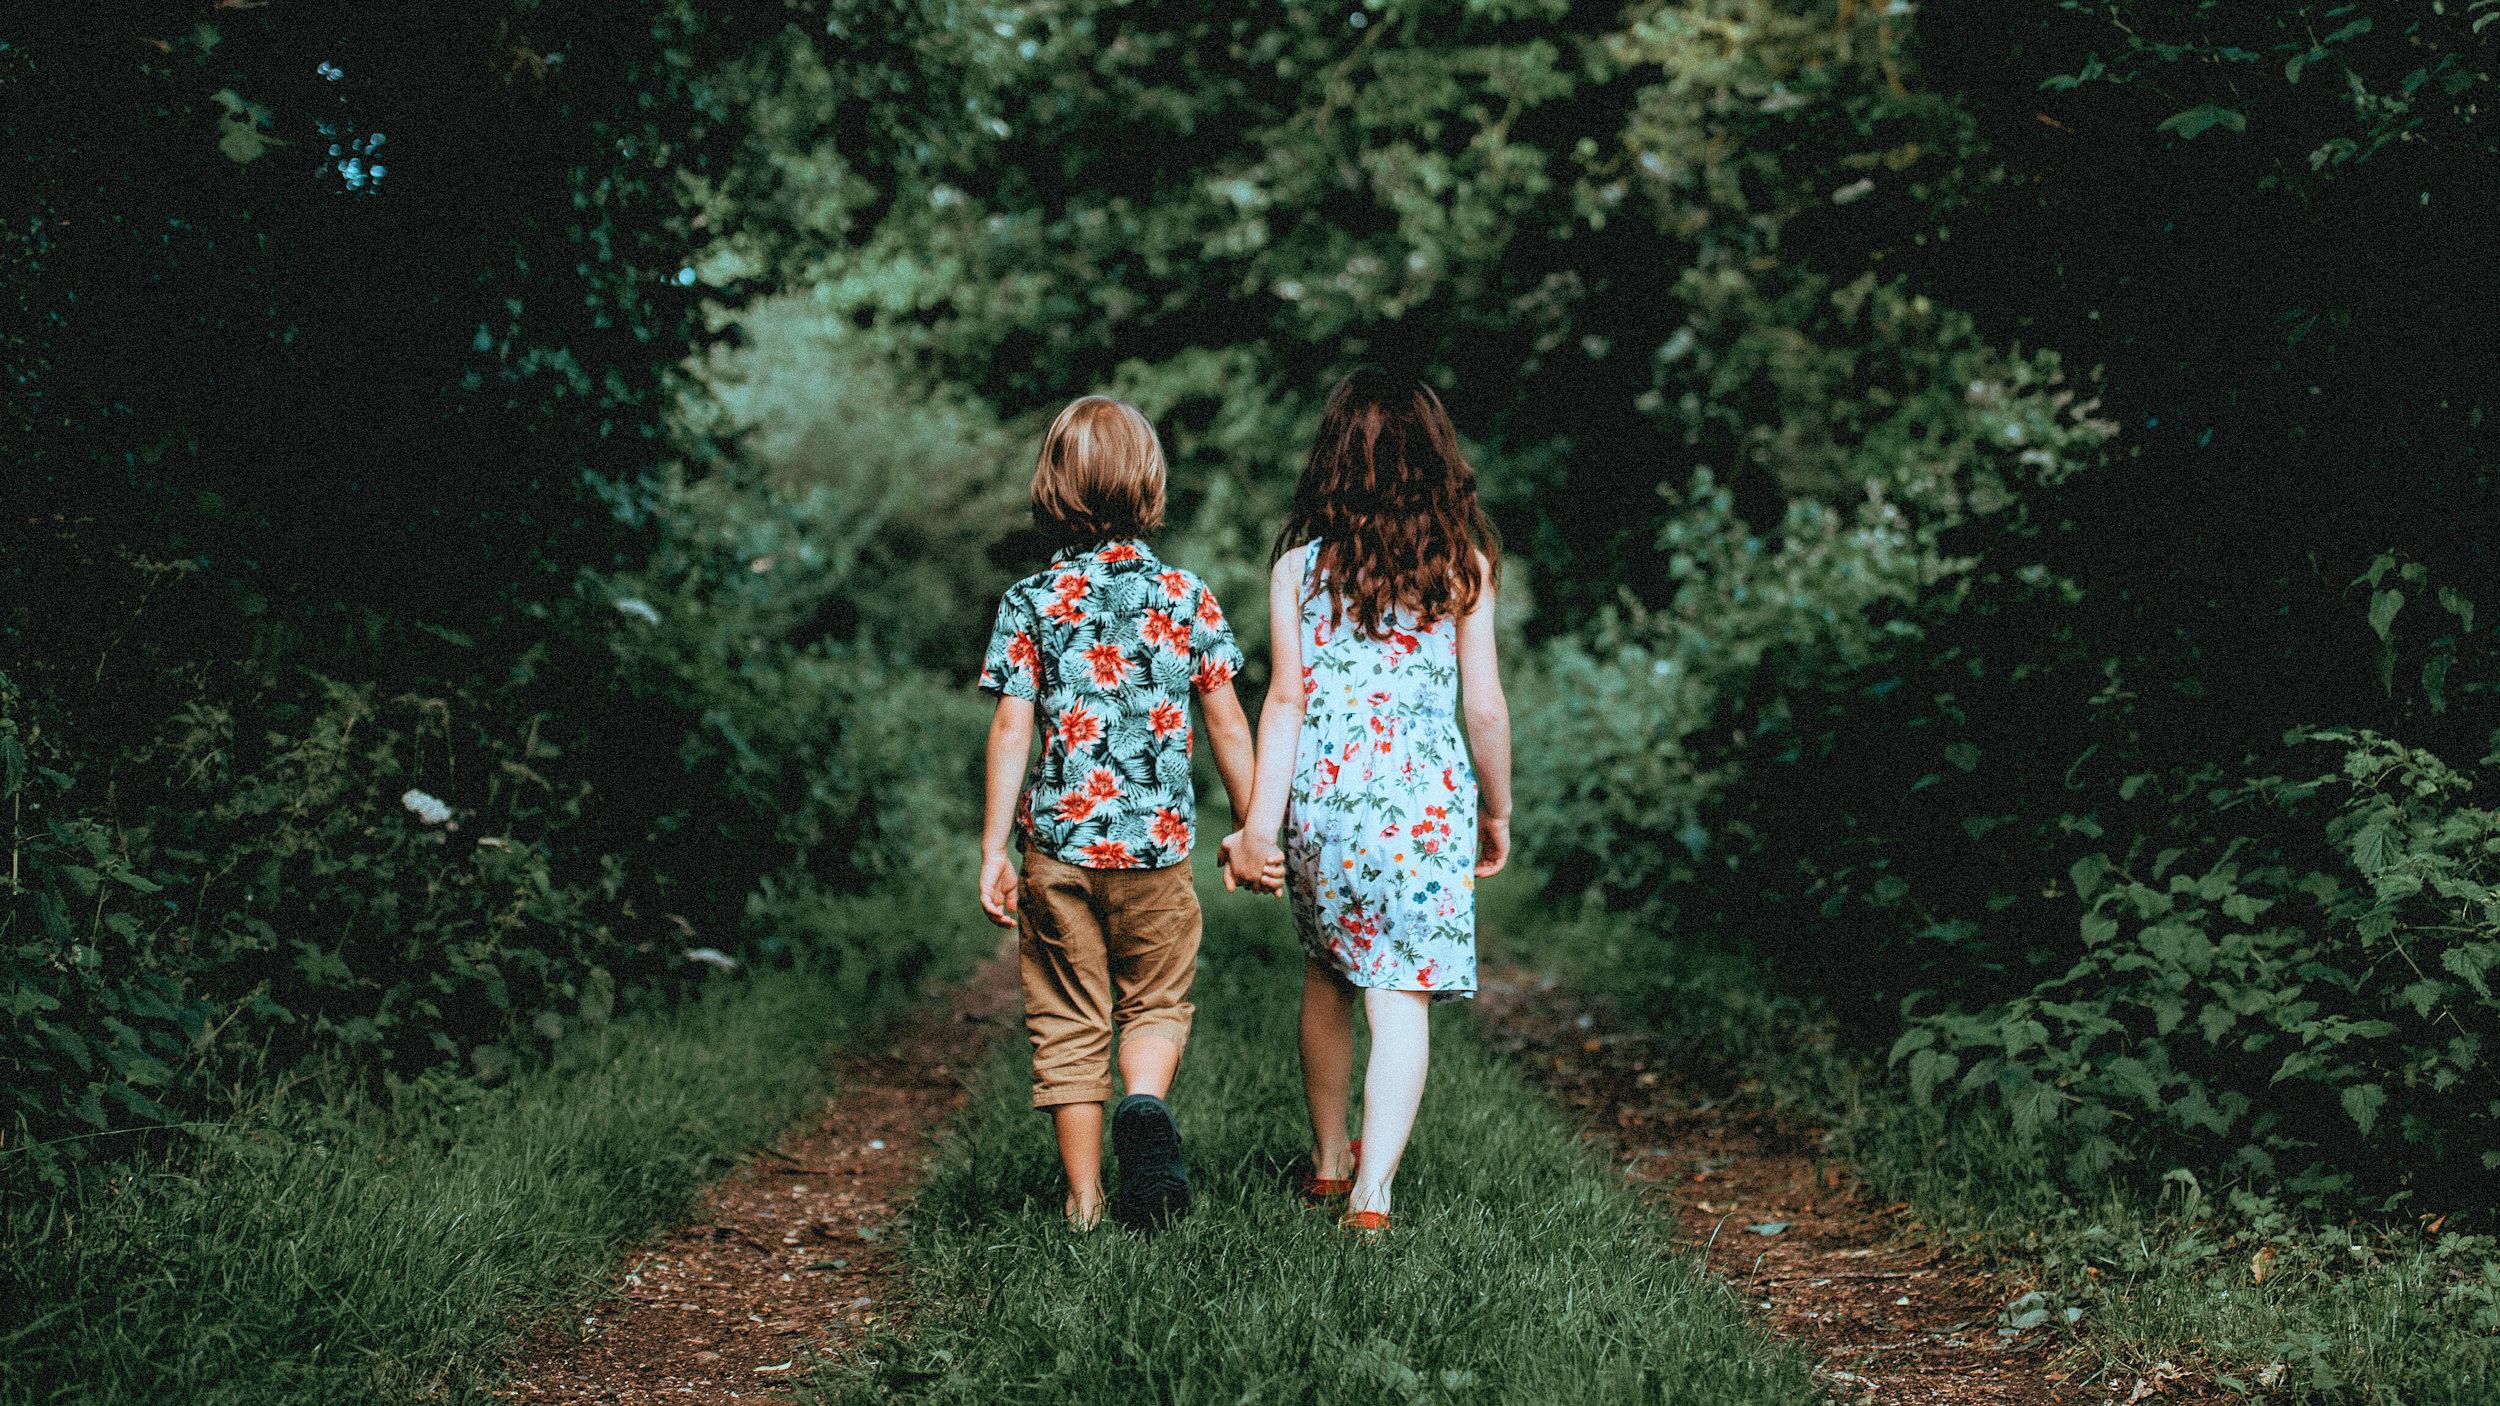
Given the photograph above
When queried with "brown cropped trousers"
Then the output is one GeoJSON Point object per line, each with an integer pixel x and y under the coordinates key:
{"type": "Point", "coordinates": [1101, 949]}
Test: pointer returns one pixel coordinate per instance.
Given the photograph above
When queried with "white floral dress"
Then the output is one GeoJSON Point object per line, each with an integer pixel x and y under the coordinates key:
{"type": "Point", "coordinates": [1380, 841]}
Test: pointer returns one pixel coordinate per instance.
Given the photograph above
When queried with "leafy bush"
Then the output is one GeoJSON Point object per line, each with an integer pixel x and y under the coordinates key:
{"type": "Point", "coordinates": [2245, 1010]}
{"type": "Point", "coordinates": [1662, 707]}
{"type": "Point", "coordinates": [297, 884]}
{"type": "Point", "coordinates": [417, 846]}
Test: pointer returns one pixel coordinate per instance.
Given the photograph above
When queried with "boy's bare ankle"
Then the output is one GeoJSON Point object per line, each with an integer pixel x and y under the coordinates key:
{"type": "Point", "coordinates": [1084, 1211]}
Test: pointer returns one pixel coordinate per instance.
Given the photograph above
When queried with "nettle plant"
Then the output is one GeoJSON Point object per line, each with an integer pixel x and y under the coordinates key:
{"type": "Point", "coordinates": [2318, 1008]}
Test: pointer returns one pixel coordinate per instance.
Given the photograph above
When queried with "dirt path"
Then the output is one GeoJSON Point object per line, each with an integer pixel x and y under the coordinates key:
{"type": "Point", "coordinates": [1896, 1318]}
{"type": "Point", "coordinates": [791, 1257]}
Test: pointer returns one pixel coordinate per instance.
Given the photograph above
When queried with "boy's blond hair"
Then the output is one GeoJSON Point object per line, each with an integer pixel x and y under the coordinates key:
{"type": "Point", "coordinates": [1100, 477]}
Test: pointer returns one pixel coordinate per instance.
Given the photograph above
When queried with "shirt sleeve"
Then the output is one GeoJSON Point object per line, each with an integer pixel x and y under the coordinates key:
{"type": "Point", "coordinates": [1214, 656]}
{"type": "Point", "coordinates": [1012, 666]}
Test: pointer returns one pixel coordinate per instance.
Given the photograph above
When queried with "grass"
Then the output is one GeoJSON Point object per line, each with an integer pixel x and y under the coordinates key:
{"type": "Point", "coordinates": [1520, 1268]}
{"type": "Point", "coordinates": [2164, 1268]}
{"type": "Point", "coordinates": [343, 1250]}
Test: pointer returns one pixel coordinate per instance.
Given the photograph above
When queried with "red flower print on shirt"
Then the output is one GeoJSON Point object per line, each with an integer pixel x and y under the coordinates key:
{"type": "Point", "coordinates": [1162, 629]}
{"type": "Point", "coordinates": [1406, 643]}
{"type": "Point", "coordinates": [1212, 675]}
{"type": "Point", "coordinates": [1113, 708]}
{"type": "Point", "coordinates": [1109, 854]}
{"type": "Point", "coordinates": [1110, 666]}
{"type": "Point", "coordinates": [1210, 614]}
{"type": "Point", "coordinates": [1167, 719]}
{"type": "Point", "coordinates": [1449, 778]}
{"type": "Point", "coordinates": [1169, 830]}
{"type": "Point", "coordinates": [1079, 728]}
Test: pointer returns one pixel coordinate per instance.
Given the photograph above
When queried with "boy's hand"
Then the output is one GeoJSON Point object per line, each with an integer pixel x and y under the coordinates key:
{"type": "Point", "coordinates": [1492, 845]}
{"type": "Point", "coordinates": [1250, 862]}
{"type": "Point", "coordinates": [998, 889]}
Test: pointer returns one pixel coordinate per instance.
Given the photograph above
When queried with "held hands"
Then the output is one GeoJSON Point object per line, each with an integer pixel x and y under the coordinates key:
{"type": "Point", "coordinates": [1492, 845]}
{"type": "Point", "coordinates": [998, 889]}
{"type": "Point", "coordinates": [1250, 862]}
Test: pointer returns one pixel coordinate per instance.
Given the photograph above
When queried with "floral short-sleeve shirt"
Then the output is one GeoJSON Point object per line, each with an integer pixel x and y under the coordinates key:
{"type": "Point", "coordinates": [1109, 643]}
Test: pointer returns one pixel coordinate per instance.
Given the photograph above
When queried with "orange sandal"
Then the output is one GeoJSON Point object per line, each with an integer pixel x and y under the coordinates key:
{"type": "Point", "coordinates": [1366, 1225]}
{"type": "Point", "coordinates": [1319, 1188]}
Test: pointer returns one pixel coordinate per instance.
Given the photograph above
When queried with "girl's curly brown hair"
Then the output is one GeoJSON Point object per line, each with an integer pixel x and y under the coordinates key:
{"type": "Point", "coordinates": [1392, 501]}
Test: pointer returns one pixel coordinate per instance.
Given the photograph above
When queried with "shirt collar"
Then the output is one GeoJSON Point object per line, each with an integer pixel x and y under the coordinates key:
{"type": "Point", "coordinates": [1071, 556]}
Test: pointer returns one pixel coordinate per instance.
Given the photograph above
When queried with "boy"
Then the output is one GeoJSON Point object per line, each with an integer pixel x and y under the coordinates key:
{"type": "Point", "coordinates": [1107, 643]}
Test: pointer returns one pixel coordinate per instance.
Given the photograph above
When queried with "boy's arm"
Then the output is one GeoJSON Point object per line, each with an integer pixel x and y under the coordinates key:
{"type": "Point", "coordinates": [1010, 745]}
{"type": "Point", "coordinates": [1228, 731]}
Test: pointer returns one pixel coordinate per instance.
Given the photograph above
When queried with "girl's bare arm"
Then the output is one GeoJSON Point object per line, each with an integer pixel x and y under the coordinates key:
{"type": "Point", "coordinates": [1280, 722]}
{"type": "Point", "coordinates": [1488, 730]}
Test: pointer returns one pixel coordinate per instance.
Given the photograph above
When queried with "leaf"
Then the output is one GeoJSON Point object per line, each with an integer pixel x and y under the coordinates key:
{"type": "Point", "coordinates": [2469, 962]}
{"type": "Point", "coordinates": [2383, 608]}
{"type": "Point", "coordinates": [1962, 755]}
{"type": "Point", "coordinates": [2246, 907]}
{"type": "Point", "coordinates": [2203, 117]}
{"type": "Point", "coordinates": [1768, 1227]}
{"type": "Point", "coordinates": [2460, 605]}
{"type": "Point", "coordinates": [244, 128]}
{"type": "Point", "coordinates": [1928, 1068]}
{"type": "Point", "coordinates": [2375, 848]}
{"type": "Point", "coordinates": [2363, 1101]}
{"type": "Point", "coordinates": [2087, 873]}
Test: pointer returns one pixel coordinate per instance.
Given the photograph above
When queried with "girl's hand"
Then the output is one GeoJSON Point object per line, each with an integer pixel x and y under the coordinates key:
{"type": "Point", "coordinates": [1492, 845]}
{"type": "Point", "coordinates": [998, 889]}
{"type": "Point", "coordinates": [1250, 862]}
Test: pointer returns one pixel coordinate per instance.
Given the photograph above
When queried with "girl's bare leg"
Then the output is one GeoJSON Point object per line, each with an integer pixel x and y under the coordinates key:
{"type": "Point", "coordinates": [1393, 1088]}
{"type": "Point", "coordinates": [1327, 1064]}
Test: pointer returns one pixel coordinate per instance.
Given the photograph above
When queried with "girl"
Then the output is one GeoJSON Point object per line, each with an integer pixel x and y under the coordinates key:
{"type": "Point", "coordinates": [1381, 606]}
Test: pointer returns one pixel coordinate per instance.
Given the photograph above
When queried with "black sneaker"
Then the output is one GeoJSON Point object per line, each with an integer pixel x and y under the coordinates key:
{"type": "Point", "coordinates": [1154, 1183]}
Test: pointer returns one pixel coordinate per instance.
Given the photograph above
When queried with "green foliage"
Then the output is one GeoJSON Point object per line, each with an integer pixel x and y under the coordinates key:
{"type": "Point", "coordinates": [2237, 1286]}
{"type": "Point", "coordinates": [859, 507]}
{"type": "Point", "coordinates": [2242, 1011]}
{"type": "Point", "coordinates": [1626, 230]}
{"type": "Point", "coordinates": [2372, 80]}
{"type": "Point", "coordinates": [353, 741]}
{"type": "Point", "coordinates": [1664, 708]}
{"type": "Point", "coordinates": [329, 1244]}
